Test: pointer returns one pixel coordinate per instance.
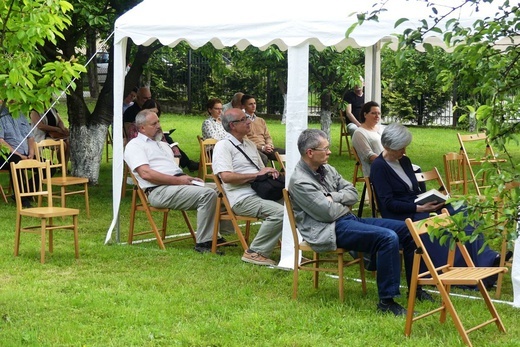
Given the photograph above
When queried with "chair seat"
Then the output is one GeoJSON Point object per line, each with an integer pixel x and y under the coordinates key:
{"type": "Point", "coordinates": [49, 212]}
{"type": "Point", "coordinates": [67, 181]}
{"type": "Point", "coordinates": [304, 246]}
{"type": "Point", "coordinates": [469, 276]}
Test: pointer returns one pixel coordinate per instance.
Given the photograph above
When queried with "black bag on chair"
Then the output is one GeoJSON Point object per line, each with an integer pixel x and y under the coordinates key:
{"type": "Point", "coordinates": [268, 187]}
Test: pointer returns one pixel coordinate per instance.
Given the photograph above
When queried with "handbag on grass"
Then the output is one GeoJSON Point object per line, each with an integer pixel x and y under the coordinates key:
{"type": "Point", "coordinates": [265, 185]}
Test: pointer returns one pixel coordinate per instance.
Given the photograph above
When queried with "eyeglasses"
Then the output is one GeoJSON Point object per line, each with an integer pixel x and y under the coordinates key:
{"type": "Point", "coordinates": [217, 109]}
{"type": "Point", "coordinates": [324, 149]}
{"type": "Point", "coordinates": [240, 120]}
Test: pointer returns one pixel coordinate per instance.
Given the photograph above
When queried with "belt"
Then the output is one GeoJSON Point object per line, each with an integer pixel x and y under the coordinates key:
{"type": "Point", "coordinates": [148, 190]}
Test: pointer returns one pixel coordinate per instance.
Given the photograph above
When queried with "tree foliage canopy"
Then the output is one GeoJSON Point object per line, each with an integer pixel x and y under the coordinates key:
{"type": "Point", "coordinates": [27, 80]}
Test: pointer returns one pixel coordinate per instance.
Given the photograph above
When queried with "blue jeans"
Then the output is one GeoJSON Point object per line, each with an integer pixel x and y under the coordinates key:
{"type": "Point", "coordinates": [383, 237]}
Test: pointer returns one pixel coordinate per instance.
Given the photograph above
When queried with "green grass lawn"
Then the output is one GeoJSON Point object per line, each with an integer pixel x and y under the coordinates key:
{"type": "Point", "coordinates": [120, 295]}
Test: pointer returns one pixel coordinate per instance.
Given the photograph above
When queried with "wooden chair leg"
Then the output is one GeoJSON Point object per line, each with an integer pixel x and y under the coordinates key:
{"type": "Point", "coordinates": [42, 232]}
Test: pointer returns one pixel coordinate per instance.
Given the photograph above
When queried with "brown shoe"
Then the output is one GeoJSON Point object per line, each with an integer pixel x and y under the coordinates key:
{"type": "Point", "coordinates": [252, 257]}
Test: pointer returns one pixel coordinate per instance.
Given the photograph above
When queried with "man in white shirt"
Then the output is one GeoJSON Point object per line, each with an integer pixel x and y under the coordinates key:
{"type": "Point", "coordinates": [152, 162]}
{"type": "Point", "coordinates": [237, 172]}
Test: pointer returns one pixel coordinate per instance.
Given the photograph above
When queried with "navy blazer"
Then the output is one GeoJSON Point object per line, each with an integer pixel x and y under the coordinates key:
{"type": "Point", "coordinates": [394, 197]}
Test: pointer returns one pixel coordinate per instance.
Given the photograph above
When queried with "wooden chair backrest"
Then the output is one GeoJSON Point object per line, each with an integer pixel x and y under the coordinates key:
{"type": "Point", "coordinates": [358, 168]}
{"type": "Point", "coordinates": [206, 152]}
{"type": "Point", "coordinates": [52, 151]}
{"type": "Point", "coordinates": [25, 186]}
{"type": "Point", "coordinates": [432, 175]}
{"type": "Point", "coordinates": [290, 215]}
{"type": "Point", "coordinates": [456, 174]}
{"type": "Point", "coordinates": [281, 159]}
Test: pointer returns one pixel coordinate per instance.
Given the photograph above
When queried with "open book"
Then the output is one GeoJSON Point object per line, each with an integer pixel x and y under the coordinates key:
{"type": "Point", "coordinates": [198, 183]}
{"type": "Point", "coordinates": [431, 195]}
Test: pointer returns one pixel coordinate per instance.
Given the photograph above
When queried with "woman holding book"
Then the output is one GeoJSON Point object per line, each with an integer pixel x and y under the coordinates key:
{"type": "Point", "coordinates": [397, 188]}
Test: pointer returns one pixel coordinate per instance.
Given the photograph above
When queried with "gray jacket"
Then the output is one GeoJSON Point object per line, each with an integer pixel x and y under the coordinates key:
{"type": "Point", "coordinates": [315, 214]}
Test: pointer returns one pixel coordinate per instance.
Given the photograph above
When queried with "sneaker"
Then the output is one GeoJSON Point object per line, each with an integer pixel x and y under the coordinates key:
{"type": "Point", "coordinates": [252, 257]}
{"type": "Point", "coordinates": [390, 305]}
{"type": "Point", "coordinates": [422, 295]}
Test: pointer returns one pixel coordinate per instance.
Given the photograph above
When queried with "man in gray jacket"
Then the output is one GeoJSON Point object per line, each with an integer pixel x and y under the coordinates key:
{"type": "Point", "coordinates": [322, 200]}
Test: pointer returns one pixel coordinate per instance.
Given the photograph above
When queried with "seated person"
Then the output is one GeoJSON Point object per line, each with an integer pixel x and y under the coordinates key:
{"type": "Point", "coordinates": [259, 133]}
{"type": "Point", "coordinates": [236, 102]}
{"type": "Point", "coordinates": [322, 202]}
{"type": "Point", "coordinates": [396, 188]}
{"type": "Point", "coordinates": [367, 137]}
{"type": "Point", "coordinates": [237, 172]}
{"type": "Point", "coordinates": [50, 127]}
{"type": "Point", "coordinates": [152, 163]}
{"type": "Point", "coordinates": [16, 136]}
{"type": "Point", "coordinates": [212, 127]}
{"type": "Point", "coordinates": [129, 99]}
{"type": "Point", "coordinates": [355, 100]}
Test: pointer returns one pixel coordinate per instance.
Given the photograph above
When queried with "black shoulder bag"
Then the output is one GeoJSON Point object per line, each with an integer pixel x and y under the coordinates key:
{"type": "Point", "coordinates": [265, 185]}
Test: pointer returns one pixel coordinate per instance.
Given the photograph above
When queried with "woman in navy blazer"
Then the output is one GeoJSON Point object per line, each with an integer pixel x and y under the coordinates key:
{"type": "Point", "coordinates": [396, 188]}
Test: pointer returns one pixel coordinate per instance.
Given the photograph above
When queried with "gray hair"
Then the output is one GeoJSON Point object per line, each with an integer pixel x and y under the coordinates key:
{"type": "Point", "coordinates": [229, 116]}
{"type": "Point", "coordinates": [140, 118]}
{"type": "Point", "coordinates": [396, 136]}
{"type": "Point", "coordinates": [310, 138]}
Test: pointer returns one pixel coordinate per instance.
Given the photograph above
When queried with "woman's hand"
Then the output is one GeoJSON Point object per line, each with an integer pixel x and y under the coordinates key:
{"type": "Point", "coordinates": [429, 207]}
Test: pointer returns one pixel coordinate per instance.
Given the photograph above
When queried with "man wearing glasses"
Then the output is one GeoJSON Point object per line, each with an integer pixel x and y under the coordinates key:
{"type": "Point", "coordinates": [322, 202]}
{"type": "Point", "coordinates": [237, 172]}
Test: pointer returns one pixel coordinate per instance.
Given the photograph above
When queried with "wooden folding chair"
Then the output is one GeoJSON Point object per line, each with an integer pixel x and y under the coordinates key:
{"type": "Point", "coordinates": [372, 198]}
{"type": "Point", "coordinates": [358, 178]}
{"type": "Point", "coordinates": [108, 142]}
{"type": "Point", "coordinates": [144, 206]}
{"type": "Point", "coordinates": [445, 276]}
{"type": "Point", "coordinates": [481, 140]}
{"type": "Point", "coordinates": [281, 159]}
{"type": "Point", "coordinates": [504, 245]}
{"type": "Point", "coordinates": [206, 152]}
{"type": "Point", "coordinates": [224, 212]}
{"type": "Point", "coordinates": [456, 174]}
{"type": "Point", "coordinates": [343, 134]}
{"type": "Point", "coordinates": [432, 176]}
{"type": "Point", "coordinates": [26, 176]}
{"type": "Point", "coordinates": [53, 151]}
{"type": "Point", "coordinates": [314, 264]}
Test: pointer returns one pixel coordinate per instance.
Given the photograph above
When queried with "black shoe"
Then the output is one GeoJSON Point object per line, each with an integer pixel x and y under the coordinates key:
{"type": "Point", "coordinates": [223, 240]}
{"type": "Point", "coordinates": [422, 295]}
{"type": "Point", "coordinates": [193, 166]}
{"type": "Point", "coordinates": [205, 247]}
{"type": "Point", "coordinates": [389, 305]}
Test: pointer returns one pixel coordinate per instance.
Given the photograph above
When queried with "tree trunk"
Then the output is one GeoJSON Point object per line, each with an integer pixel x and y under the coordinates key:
{"type": "Point", "coordinates": [326, 121]}
{"type": "Point", "coordinates": [87, 149]}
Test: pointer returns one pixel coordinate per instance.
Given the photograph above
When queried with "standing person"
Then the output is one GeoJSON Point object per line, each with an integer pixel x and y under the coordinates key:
{"type": "Point", "coordinates": [16, 136]}
{"type": "Point", "coordinates": [367, 137]}
{"type": "Point", "coordinates": [237, 172]}
{"type": "Point", "coordinates": [322, 202]}
{"type": "Point", "coordinates": [355, 100]}
{"type": "Point", "coordinates": [396, 188]}
{"type": "Point", "coordinates": [152, 162]}
{"type": "Point", "coordinates": [259, 133]}
{"type": "Point", "coordinates": [212, 126]}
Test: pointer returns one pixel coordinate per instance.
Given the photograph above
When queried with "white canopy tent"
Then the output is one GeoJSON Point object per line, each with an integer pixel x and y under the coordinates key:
{"type": "Point", "coordinates": [291, 26]}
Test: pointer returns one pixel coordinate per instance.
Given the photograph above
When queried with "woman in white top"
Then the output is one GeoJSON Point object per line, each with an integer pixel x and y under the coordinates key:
{"type": "Point", "coordinates": [367, 137]}
{"type": "Point", "coordinates": [212, 127]}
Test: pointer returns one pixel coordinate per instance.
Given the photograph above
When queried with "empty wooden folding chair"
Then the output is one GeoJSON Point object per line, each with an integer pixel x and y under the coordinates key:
{"type": "Point", "coordinates": [445, 276]}
{"type": "Point", "coordinates": [485, 155]}
{"type": "Point", "coordinates": [343, 134]}
{"type": "Point", "coordinates": [316, 264]}
{"type": "Point", "coordinates": [206, 152]}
